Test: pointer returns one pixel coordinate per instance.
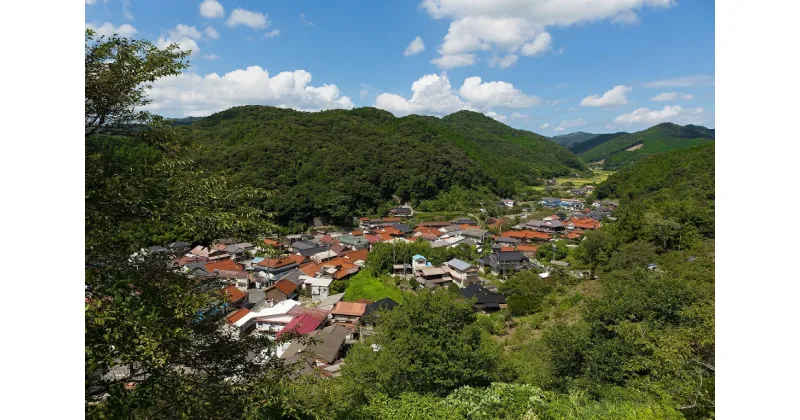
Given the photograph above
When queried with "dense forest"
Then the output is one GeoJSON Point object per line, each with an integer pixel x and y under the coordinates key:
{"type": "Point", "coordinates": [664, 137]}
{"type": "Point", "coordinates": [343, 162]}
{"type": "Point", "coordinates": [572, 139]}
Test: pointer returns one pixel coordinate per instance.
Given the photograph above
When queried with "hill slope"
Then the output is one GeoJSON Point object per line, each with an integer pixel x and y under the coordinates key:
{"type": "Point", "coordinates": [341, 162]}
{"type": "Point", "coordinates": [618, 151]}
{"type": "Point", "coordinates": [594, 141]}
{"type": "Point", "coordinates": [571, 139]}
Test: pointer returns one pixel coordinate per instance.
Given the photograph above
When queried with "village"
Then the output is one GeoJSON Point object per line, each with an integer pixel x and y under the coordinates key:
{"type": "Point", "coordinates": [284, 284]}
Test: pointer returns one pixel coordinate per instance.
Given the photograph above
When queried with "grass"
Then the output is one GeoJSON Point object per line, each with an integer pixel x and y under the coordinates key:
{"type": "Point", "coordinates": [364, 286]}
{"type": "Point", "coordinates": [598, 177]}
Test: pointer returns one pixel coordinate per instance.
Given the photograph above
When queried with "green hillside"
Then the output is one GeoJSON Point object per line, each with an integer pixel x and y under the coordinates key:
{"type": "Point", "coordinates": [342, 162]}
{"type": "Point", "coordinates": [571, 139]}
{"type": "Point", "coordinates": [658, 139]}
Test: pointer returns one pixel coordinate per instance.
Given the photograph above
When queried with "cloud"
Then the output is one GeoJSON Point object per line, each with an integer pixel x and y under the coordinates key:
{"type": "Point", "coordinates": [614, 97]}
{"type": "Point", "coordinates": [496, 116]}
{"type": "Point", "coordinates": [249, 18]}
{"type": "Point", "coordinates": [211, 32]}
{"type": "Point", "coordinates": [518, 26]}
{"type": "Point", "coordinates": [108, 29]}
{"type": "Point", "coordinates": [432, 94]}
{"type": "Point", "coordinates": [184, 35]}
{"type": "Point", "coordinates": [674, 114]}
{"type": "Point", "coordinates": [127, 12]}
{"type": "Point", "coordinates": [558, 129]}
{"type": "Point", "coordinates": [503, 62]}
{"type": "Point", "coordinates": [93, 2]}
{"type": "Point", "coordinates": [306, 21]}
{"type": "Point", "coordinates": [545, 125]}
{"type": "Point", "coordinates": [488, 94]}
{"type": "Point", "coordinates": [453, 61]}
{"type": "Point", "coordinates": [190, 94]}
{"type": "Point", "coordinates": [210, 56]}
{"type": "Point", "coordinates": [689, 81]}
{"type": "Point", "coordinates": [272, 33]}
{"type": "Point", "coordinates": [211, 9]}
{"type": "Point", "coordinates": [671, 96]}
{"type": "Point", "coordinates": [366, 91]}
{"type": "Point", "coordinates": [415, 47]}
{"type": "Point", "coordinates": [519, 116]}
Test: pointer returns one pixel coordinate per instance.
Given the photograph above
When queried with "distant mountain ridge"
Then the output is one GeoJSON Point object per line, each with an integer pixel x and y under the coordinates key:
{"type": "Point", "coordinates": [339, 163]}
{"type": "Point", "coordinates": [621, 149]}
{"type": "Point", "coordinates": [570, 139]}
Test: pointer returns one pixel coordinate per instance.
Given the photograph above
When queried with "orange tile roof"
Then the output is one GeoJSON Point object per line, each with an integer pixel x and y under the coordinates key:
{"type": "Point", "coordinates": [573, 235]}
{"type": "Point", "coordinates": [391, 230]}
{"type": "Point", "coordinates": [233, 294]}
{"type": "Point", "coordinates": [277, 262]}
{"type": "Point", "coordinates": [527, 248]}
{"type": "Point", "coordinates": [465, 226]}
{"type": "Point", "coordinates": [525, 234]}
{"type": "Point", "coordinates": [285, 286]}
{"type": "Point", "coordinates": [361, 254]}
{"type": "Point", "coordinates": [385, 236]}
{"type": "Point", "coordinates": [310, 269]}
{"type": "Point", "coordinates": [232, 318]}
{"type": "Point", "coordinates": [297, 258]}
{"type": "Point", "coordinates": [586, 210]}
{"type": "Point", "coordinates": [357, 232]}
{"type": "Point", "coordinates": [364, 219]}
{"type": "Point", "coordinates": [271, 242]}
{"type": "Point", "coordinates": [585, 223]}
{"type": "Point", "coordinates": [349, 308]}
{"type": "Point", "coordinates": [390, 219]}
{"type": "Point", "coordinates": [506, 248]}
{"type": "Point", "coordinates": [223, 265]}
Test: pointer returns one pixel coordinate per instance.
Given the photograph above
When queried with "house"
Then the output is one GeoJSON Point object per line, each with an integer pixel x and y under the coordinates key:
{"type": "Point", "coordinates": [239, 323]}
{"type": "Point", "coordinates": [239, 251]}
{"type": "Point", "coordinates": [433, 276]}
{"type": "Point", "coordinates": [528, 250]}
{"type": "Point", "coordinates": [347, 313]}
{"type": "Point", "coordinates": [298, 246]}
{"type": "Point", "coordinates": [506, 241]}
{"type": "Point", "coordinates": [485, 300]}
{"type": "Point", "coordinates": [462, 272]}
{"type": "Point", "coordinates": [371, 315]}
{"type": "Point", "coordinates": [354, 242]}
{"type": "Point", "coordinates": [323, 256]}
{"type": "Point", "coordinates": [507, 202]}
{"type": "Point", "coordinates": [309, 252]}
{"type": "Point", "coordinates": [479, 235]}
{"type": "Point", "coordinates": [179, 248]}
{"type": "Point", "coordinates": [222, 265]}
{"type": "Point", "coordinates": [547, 226]}
{"type": "Point", "coordinates": [256, 300]}
{"type": "Point", "coordinates": [213, 254]}
{"type": "Point", "coordinates": [403, 228]}
{"type": "Point", "coordinates": [584, 224]}
{"type": "Point", "coordinates": [505, 262]}
{"type": "Point", "coordinates": [303, 324]}
{"type": "Point", "coordinates": [270, 320]}
{"type": "Point", "coordinates": [402, 269]}
{"type": "Point", "coordinates": [434, 225]}
{"type": "Point", "coordinates": [240, 278]}
{"type": "Point", "coordinates": [561, 264]}
{"type": "Point", "coordinates": [526, 236]}
{"type": "Point", "coordinates": [329, 302]}
{"type": "Point", "coordinates": [418, 262]}
{"type": "Point", "coordinates": [235, 297]}
{"type": "Point", "coordinates": [316, 288]}
{"type": "Point", "coordinates": [465, 221]}
{"type": "Point", "coordinates": [327, 348]}
{"type": "Point", "coordinates": [275, 266]}
{"type": "Point", "coordinates": [402, 211]}
{"type": "Point", "coordinates": [280, 291]}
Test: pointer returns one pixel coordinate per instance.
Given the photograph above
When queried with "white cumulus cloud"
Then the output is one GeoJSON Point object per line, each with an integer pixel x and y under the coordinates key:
{"type": "Point", "coordinates": [558, 129]}
{"type": "Point", "coordinates": [109, 29]}
{"type": "Point", "coordinates": [496, 116]}
{"type": "Point", "coordinates": [614, 97]}
{"type": "Point", "coordinates": [211, 9]}
{"type": "Point", "coordinates": [545, 125]}
{"type": "Point", "coordinates": [520, 26]}
{"type": "Point", "coordinates": [671, 96]}
{"type": "Point", "coordinates": [415, 47]}
{"type": "Point", "coordinates": [210, 56]}
{"type": "Point", "coordinates": [184, 35]}
{"type": "Point", "coordinates": [190, 94]}
{"type": "Point", "coordinates": [519, 116]}
{"type": "Point", "coordinates": [488, 94]}
{"type": "Point", "coordinates": [432, 94]}
{"type": "Point", "coordinates": [249, 18]}
{"type": "Point", "coordinates": [675, 114]}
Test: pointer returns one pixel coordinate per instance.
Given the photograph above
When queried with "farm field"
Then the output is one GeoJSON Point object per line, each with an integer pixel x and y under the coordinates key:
{"type": "Point", "coordinates": [598, 177]}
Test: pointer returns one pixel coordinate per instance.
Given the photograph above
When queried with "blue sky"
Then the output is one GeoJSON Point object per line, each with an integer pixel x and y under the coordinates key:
{"type": "Point", "coordinates": [552, 67]}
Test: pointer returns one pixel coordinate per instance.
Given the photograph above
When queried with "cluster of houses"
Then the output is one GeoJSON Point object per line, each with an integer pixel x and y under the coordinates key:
{"type": "Point", "coordinates": [283, 285]}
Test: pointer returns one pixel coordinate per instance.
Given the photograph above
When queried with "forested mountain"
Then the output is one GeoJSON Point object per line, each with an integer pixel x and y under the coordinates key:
{"type": "Point", "coordinates": [578, 148]}
{"type": "Point", "coordinates": [620, 150]}
{"type": "Point", "coordinates": [341, 162]}
{"type": "Point", "coordinates": [572, 139]}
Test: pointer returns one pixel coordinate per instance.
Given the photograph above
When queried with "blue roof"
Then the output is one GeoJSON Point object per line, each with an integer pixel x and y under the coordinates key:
{"type": "Point", "coordinates": [416, 257]}
{"type": "Point", "coordinates": [257, 260]}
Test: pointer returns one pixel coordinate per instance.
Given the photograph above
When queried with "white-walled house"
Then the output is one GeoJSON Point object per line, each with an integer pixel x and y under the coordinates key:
{"type": "Point", "coordinates": [315, 287]}
{"type": "Point", "coordinates": [418, 262]}
{"type": "Point", "coordinates": [462, 272]}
